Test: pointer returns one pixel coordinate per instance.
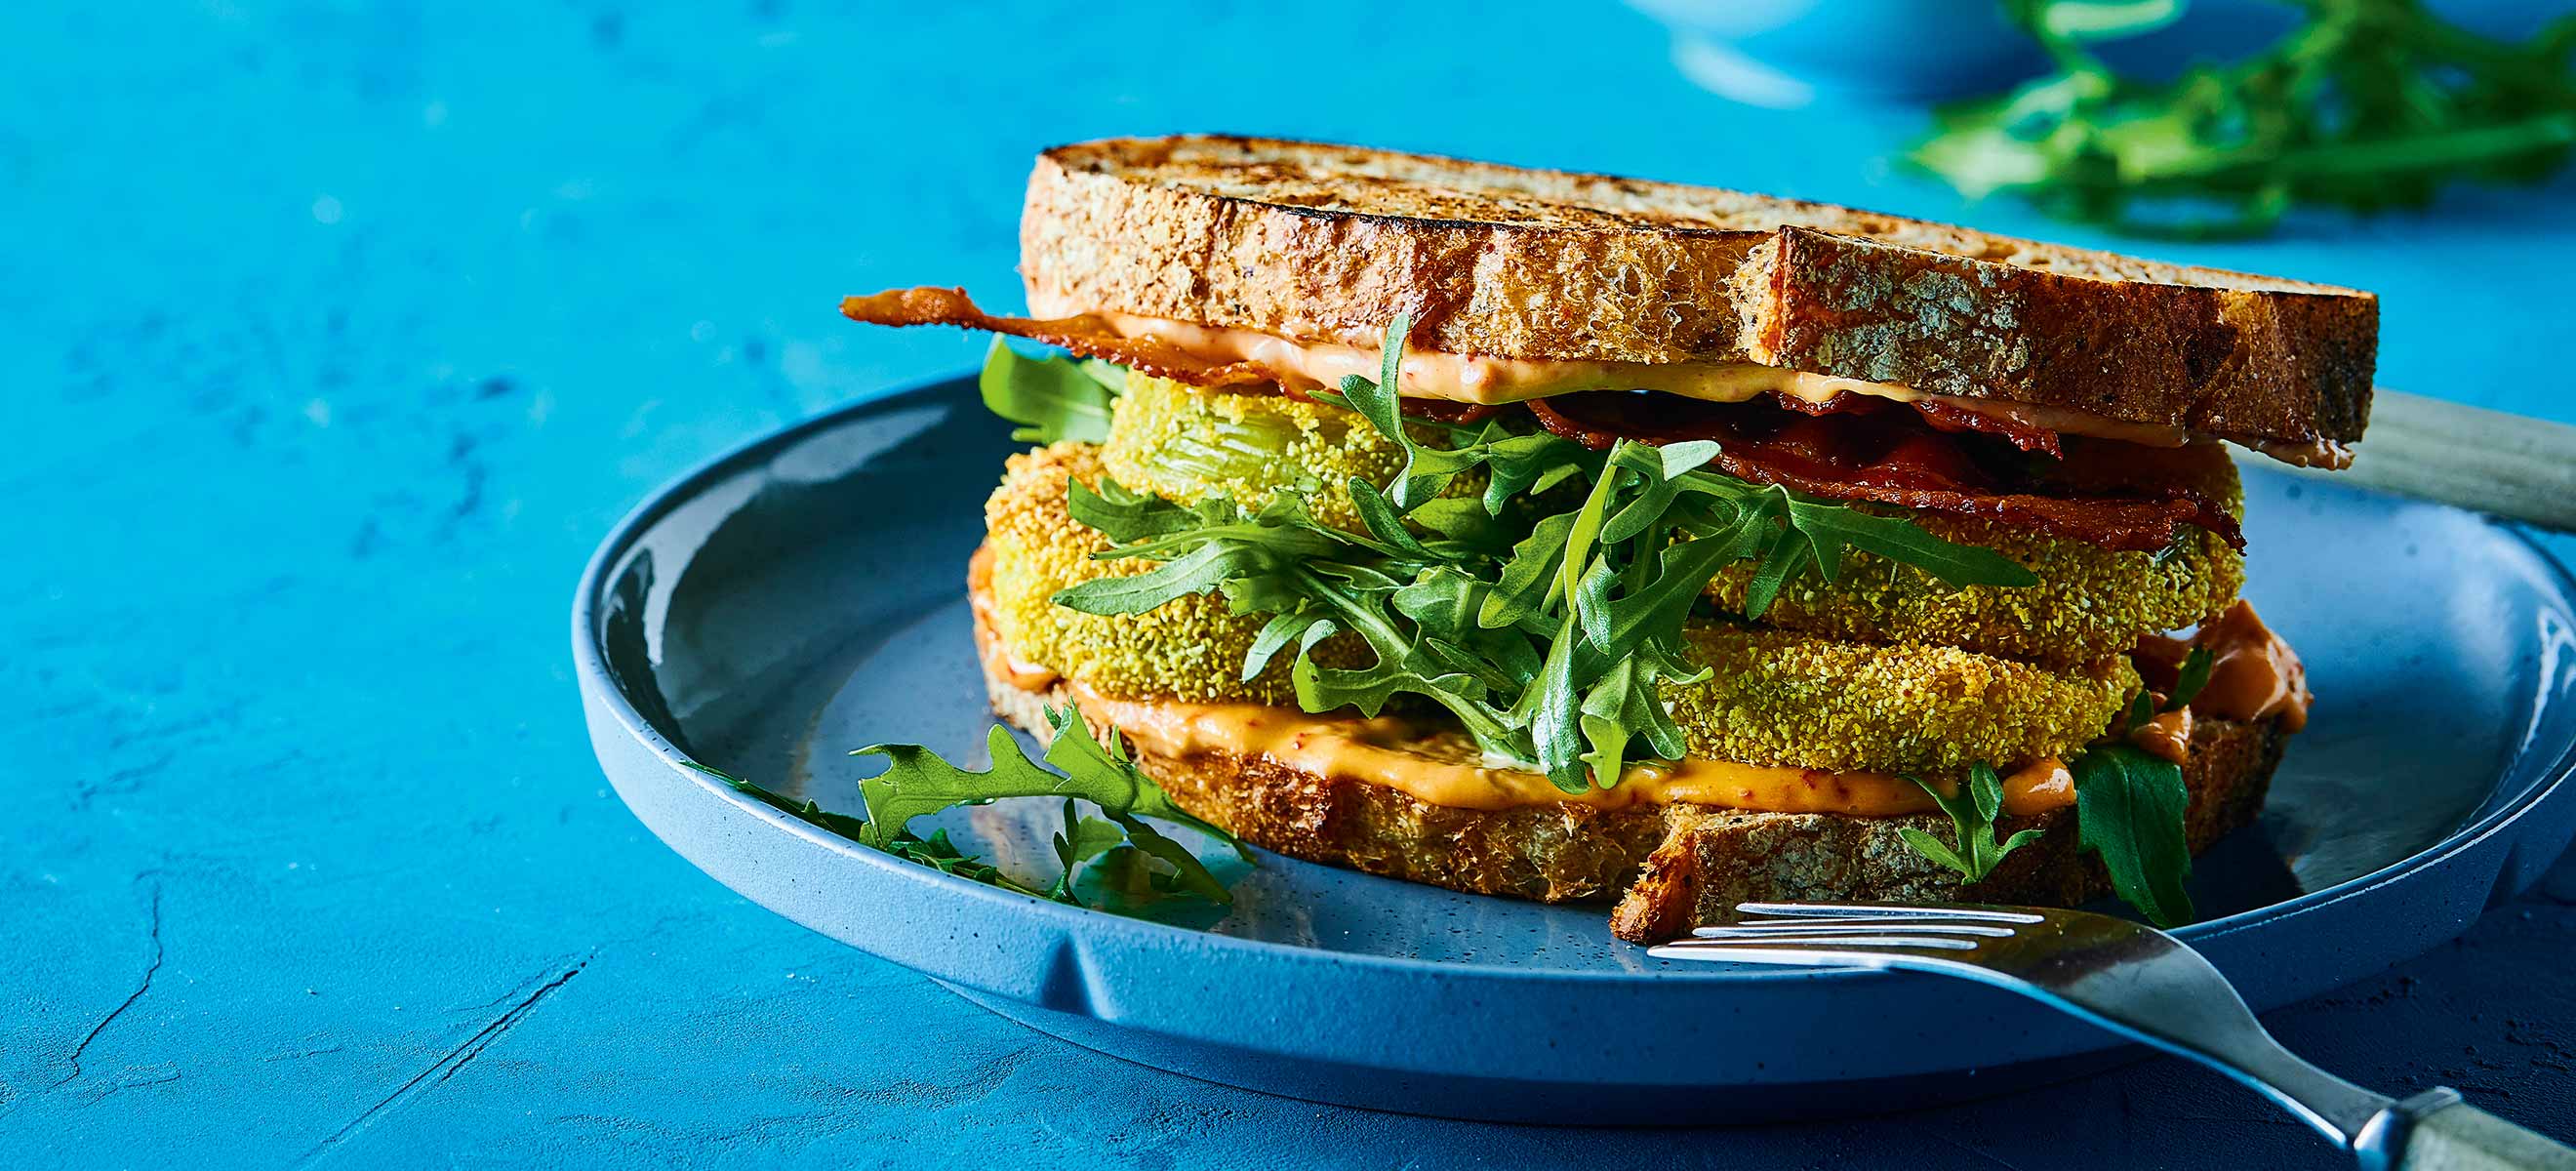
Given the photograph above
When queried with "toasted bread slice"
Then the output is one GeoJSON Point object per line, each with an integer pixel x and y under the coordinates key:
{"type": "Point", "coordinates": [1329, 243]}
{"type": "Point", "coordinates": [1712, 859]}
{"type": "Point", "coordinates": [1678, 865]}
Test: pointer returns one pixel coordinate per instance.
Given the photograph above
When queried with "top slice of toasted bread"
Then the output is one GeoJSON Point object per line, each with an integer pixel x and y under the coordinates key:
{"type": "Point", "coordinates": [1329, 243]}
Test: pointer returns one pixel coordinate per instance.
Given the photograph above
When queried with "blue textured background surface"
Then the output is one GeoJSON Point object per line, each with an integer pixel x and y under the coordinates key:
{"type": "Point", "coordinates": [336, 336]}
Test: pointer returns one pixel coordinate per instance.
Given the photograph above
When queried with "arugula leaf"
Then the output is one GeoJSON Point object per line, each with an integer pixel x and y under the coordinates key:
{"type": "Point", "coordinates": [2129, 809]}
{"type": "Point", "coordinates": [1619, 708]}
{"type": "Point", "coordinates": [1274, 636]}
{"type": "Point", "coordinates": [1782, 559]}
{"type": "Point", "coordinates": [1899, 539]}
{"type": "Point", "coordinates": [1972, 808]}
{"type": "Point", "coordinates": [2193, 676]}
{"type": "Point", "coordinates": [1054, 398]}
{"type": "Point", "coordinates": [1552, 708]}
{"type": "Point", "coordinates": [1360, 602]}
{"type": "Point", "coordinates": [935, 851]}
{"type": "Point", "coordinates": [1376, 401]}
{"type": "Point", "coordinates": [1588, 522]}
{"type": "Point", "coordinates": [1383, 522]}
{"type": "Point", "coordinates": [1523, 584]}
{"type": "Point", "coordinates": [1200, 570]}
{"type": "Point", "coordinates": [1106, 776]}
{"type": "Point", "coordinates": [1083, 839]}
{"type": "Point", "coordinates": [2142, 708]}
{"type": "Point", "coordinates": [1125, 515]}
{"type": "Point", "coordinates": [917, 783]}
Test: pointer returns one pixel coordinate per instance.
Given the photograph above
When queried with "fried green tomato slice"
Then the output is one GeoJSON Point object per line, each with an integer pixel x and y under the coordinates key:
{"type": "Point", "coordinates": [1774, 697]}
{"type": "Point", "coordinates": [1185, 445]}
{"type": "Point", "coordinates": [1184, 649]}
{"type": "Point", "coordinates": [1785, 698]}
{"type": "Point", "coordinates": [2090, 601]}
{"type": "Point", "coordinates": [1189, 648]}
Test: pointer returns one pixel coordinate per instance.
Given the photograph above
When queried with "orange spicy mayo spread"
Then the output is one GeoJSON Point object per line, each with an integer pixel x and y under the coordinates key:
{"type": "Point", "coordinates": [1445, 768]}
{"type": "Point", "coordinates": [2253, 674]}
{"type": "Point", "coordinates": [1486, 380]}
{"type": "Point", "coordinates": [2168, 735]}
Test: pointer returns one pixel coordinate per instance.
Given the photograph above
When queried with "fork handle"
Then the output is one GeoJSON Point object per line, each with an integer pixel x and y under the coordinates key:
{"type": "Point", "coordinates": [2436, 1131]}
{"type": "Point", "coordinates": [2506, 465]}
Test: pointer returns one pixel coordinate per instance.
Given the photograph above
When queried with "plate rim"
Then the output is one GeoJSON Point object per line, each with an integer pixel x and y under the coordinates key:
{"type": "Point", "coordinates": [592, 677]}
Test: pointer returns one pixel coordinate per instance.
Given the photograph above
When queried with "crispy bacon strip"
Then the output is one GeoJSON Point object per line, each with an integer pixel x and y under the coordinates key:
{"type": "Point", "coordinates": [1848, 448]}
{"type": "Point", "coordinates": [1941, 414]}
{"type": "Point", "coordinates": [1890, 458]}
{"type": "Point", "coordinates": [1948, 416]}
{"type": "Point", "coordinates": [1086, 335]}
{"type": "Point", "coordinates": [1842, 402]}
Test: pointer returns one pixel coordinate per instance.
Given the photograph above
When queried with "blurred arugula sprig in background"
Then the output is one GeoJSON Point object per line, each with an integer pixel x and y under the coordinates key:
{"type": "Point", "coordinates": [2369, 105]}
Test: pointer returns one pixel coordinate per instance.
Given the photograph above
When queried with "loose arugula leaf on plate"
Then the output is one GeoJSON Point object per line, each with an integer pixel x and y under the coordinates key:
{"type": "Point", "coordinates": [1973, 808]}
{"type": "Point", "coordinates": [917, 783]}
{"type": "Point", "coordinates": [1052, 398]}
{"type": "Point", "coordinates": [2129, 808]}
{"type": "Point", "coordinates": [1105, 775]}
{"type": "Point", "coordinates": [935, 851]}
{"type": "Point", "coordinates": [1082, 839]}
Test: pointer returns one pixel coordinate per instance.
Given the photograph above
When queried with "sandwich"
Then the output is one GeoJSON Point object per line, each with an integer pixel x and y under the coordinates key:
{"type": "Point", "coordinates": [1572, 537]}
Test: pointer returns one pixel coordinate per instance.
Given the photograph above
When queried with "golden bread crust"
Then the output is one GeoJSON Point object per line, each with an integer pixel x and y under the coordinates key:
{"type": "Point", "coordinates": [1329, 243]}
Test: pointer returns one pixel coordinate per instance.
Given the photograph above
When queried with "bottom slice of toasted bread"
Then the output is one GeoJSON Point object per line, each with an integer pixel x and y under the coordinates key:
{"type": "Point", "coordinates": [1674, 866]}
{"type": "Point", "coordinates": [1712, 859]}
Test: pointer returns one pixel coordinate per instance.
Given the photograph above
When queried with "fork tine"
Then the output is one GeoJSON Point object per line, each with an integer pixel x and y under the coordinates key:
{"type": "Point", "coordinates": [1886, 923]}
{"type": "Point", "coordinates": [1820, 927]}
{"type": "Point", "coordinates": [1860, 911]}
{"type": "Point", "coordinates": [1819, 943]}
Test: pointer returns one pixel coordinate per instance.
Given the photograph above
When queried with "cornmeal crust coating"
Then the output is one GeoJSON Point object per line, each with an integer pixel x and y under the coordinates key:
{"type": "Point", "coordinates": [1774, 697]}
{"type": "Point", "coordinates": [2089, 602]}
{"type": "Point", "coordinates": [1779, 697]}
{"type": "Point", "coordinates": [1188, 648]}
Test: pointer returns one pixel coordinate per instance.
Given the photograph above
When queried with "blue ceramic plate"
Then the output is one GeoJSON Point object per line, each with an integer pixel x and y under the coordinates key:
{"type": "Point", "coordinates": [805, 595]}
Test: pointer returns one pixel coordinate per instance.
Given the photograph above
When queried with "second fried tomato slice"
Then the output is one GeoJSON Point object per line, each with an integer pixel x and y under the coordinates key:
{"type": "Point", "coordinates": [1773, 696]}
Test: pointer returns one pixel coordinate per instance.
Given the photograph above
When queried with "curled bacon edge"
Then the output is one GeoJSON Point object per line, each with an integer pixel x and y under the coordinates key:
{"type": "Point", "coordinates": [2109, 522]}
{"type": "Point", "coordinates": [2143, 522]}
{"type": "Point", "coordinates": [1086, 335]}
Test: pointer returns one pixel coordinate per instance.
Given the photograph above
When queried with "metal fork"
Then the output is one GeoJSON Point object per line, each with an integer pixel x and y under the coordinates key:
{"type": "Point", "coordinates": [2130, 979]}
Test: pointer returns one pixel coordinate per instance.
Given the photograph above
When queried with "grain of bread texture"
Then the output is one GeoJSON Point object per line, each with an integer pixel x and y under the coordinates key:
{"type": "Point", "coordinates": [1329, 243]}
{"type": "Point", "coordinates": [1674, 866]}
{"type": "Point", "coordinates": [1712, 859]}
